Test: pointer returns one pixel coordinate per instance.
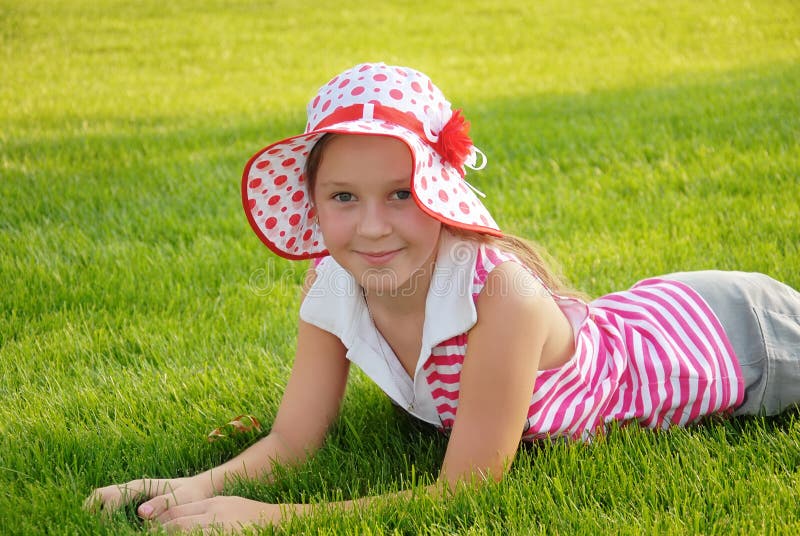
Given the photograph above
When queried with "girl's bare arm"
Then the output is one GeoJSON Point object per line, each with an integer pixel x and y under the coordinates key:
{"type": "Point", "coordinates": [499, 372]}
{"type": "Point", "coordinates": [310, 403]}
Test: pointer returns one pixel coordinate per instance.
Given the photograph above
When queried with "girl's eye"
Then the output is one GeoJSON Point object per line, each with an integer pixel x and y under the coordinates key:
{"type": "Point", "coordinates": [343, 197]}
{"type": "Point", "coordinates": [403, 194]}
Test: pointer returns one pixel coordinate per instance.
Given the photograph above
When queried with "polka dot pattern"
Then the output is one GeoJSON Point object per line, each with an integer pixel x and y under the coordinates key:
{"type": "Point", "coordinates": [274, 193]}
{"type": "Point", "coordinates": [404, 89]}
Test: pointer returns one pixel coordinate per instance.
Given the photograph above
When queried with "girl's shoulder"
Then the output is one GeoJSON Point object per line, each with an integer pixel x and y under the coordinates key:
{"type": "Point", "coordinates": [513, 274]}
{"type": "Point", "coordinates": [489, 257]}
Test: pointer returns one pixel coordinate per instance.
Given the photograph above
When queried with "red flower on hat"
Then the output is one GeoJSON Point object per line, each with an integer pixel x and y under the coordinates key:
{"type": "Point", "coordinates": [454, 143]}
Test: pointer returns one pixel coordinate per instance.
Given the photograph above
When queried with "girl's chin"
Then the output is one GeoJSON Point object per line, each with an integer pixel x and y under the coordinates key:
{"type": "Point", "coordinates": [388, 281]}
{"type": "Point", "coordinates": [380, 281]}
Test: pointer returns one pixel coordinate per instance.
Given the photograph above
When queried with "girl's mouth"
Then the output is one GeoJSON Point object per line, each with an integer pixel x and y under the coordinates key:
{"type": "Point", "coordinates": [376, 258]}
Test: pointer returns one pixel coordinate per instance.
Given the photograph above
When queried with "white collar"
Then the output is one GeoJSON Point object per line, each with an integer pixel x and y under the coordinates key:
{"type": "Point", "coordinates": [335, 304]}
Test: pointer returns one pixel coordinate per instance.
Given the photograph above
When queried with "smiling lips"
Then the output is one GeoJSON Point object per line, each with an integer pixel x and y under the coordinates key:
{"type": "Point", "coordinates": [377, 258]}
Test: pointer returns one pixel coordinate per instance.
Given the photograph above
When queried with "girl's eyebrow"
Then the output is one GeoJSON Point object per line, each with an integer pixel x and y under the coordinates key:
{"type": "Point", "coordinates": [332, 184]}
{"type": "Point", "coordinates": [399, 182]}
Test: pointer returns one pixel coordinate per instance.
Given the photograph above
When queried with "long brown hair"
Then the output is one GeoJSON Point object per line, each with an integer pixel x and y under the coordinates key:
{"type": "Point", "coordinates": [529, 253]}
{"type": "Point", "coordinates": [314, 159]}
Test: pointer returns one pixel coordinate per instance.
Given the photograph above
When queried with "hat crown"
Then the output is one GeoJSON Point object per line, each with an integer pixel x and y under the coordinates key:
{"type": "Point", "coordinates": [400, 88]}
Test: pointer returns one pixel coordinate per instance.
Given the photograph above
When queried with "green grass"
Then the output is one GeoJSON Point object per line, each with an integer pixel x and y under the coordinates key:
{"type": "Point", "coordinates": [138, 311]}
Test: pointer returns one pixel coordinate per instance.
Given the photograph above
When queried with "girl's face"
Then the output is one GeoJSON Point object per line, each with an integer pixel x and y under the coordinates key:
{"type": "Point", "coordinates": [370, 222]}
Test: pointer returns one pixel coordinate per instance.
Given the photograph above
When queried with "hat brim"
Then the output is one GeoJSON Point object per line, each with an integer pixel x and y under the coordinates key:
{"type": "Point", "coordinates": [279, 208]}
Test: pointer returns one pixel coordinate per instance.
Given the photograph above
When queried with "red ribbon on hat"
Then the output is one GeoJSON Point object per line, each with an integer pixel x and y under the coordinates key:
{"type": "Point", "coordinates": [453, 142]}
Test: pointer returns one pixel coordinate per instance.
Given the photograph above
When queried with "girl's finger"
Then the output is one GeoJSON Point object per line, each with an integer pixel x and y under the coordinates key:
{"type": "Point", "coordinates": [93, 502]}
{"type": "Point", "coordinates": [187, 509]}
{"type": "Point", "coordinates": [183, 510]}
{"type": "Point", "coordinates": [158, 505]}
{"type": "Point", "coordinates": [112, 497]}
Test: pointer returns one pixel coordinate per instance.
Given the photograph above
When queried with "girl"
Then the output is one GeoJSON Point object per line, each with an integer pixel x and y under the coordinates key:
{"type": "Point", "coordinates": [462, 326]}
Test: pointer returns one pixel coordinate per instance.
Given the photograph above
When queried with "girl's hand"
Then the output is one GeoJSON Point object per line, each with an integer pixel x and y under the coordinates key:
{"type": "Point", "coordinates": [220, 513]}
{"type": "Point", "coordinates": [160, 495]}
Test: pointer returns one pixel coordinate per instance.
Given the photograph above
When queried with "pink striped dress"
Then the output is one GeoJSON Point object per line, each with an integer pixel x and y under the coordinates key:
{"type": "Point", "coordinates": [655, 354]}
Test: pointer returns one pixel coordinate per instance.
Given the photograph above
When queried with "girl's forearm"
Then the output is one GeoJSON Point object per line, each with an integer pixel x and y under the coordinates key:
{"type": "Point", "coordinates": [433, 490]}
{"type": "Point", "coordinates": [256, 462]}
{"type": "Point", "coordinates": [443, 487]}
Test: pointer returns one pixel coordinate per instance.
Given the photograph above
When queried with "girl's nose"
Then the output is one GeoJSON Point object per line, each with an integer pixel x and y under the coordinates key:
{"type": "Point", "coordinates": [373, 222]}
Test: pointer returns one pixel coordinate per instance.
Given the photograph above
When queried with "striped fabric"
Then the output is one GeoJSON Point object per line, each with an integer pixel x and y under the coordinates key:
{"type": "Point", "coordinates": [655, 354]}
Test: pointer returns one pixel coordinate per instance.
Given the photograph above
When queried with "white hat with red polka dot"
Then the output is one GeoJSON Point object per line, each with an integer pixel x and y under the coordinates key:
{"type": "Point", "coordinates": [371, 98]}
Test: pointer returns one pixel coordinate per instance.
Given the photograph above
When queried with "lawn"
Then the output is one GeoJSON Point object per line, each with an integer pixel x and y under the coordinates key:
{"type": "Point", "coordinates": [138, 311]}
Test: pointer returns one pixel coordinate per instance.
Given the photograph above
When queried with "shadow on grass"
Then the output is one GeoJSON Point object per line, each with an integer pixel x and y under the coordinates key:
{"type": "Point", "coordinates": [560, 165]}
{"type": "Point", "coordinates": [117, 165]}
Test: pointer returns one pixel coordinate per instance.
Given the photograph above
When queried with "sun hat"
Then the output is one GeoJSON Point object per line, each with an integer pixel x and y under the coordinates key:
{"type": "Point", "coordinates": [375, 99]}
